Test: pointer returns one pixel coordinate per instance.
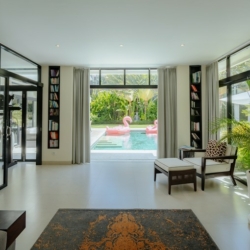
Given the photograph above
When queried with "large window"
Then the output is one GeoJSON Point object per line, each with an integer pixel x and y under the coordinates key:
{"type": "Point", "coordinates": [19, 65]}
{"type": "Point", "coordinates": [234, 75]}
{"type": "Point", "coordinates": [240, 61]}
{"type": "Point", "coordinates": [124, 77]}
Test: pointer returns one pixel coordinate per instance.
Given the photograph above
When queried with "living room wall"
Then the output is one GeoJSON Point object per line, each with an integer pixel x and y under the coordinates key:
{"type": "Point", "coordinates": [63, 155]}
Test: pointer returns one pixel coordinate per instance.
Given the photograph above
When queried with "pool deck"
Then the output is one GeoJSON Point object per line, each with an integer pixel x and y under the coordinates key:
{"type": "Point", "coordinates": [100, 155]}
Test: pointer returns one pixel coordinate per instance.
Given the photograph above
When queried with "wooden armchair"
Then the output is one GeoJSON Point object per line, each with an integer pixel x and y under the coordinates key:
{"type": "Point", "coordinates": [207, 167]}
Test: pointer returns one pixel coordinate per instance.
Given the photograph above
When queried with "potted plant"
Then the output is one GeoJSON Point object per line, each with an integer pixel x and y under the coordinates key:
{"type": "Point", "coordinates": [238, 135]}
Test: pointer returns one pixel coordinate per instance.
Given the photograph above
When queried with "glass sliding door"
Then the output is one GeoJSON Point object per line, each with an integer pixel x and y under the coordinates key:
{"type": "Point", "coordinates": [241, 112]}
{"type": "Point", "coordinates": [16, 124]}
{"type": "Point", "coordinates": [31, 126]}
{"type": "Point", "coordinates": [4, 132]}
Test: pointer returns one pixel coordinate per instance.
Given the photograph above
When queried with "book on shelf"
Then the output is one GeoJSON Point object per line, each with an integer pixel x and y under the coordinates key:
{"type": "Point", "coordinates": [195, 126]}
{"type": "Point", "coordinates": [195, 136]}
{"type": "Point", "coordinates": [53, 96]}
{"type": "Point", "coordinates": [194, 88]}
{"type": "Point", "coordinates": [54, 80]}
{"type": "Point", "coordinates": [192, 104]}
{"type": "Point", "coordinates": [194, 112]}
{"type": "Point", "coordinates": [194, 96]}
{"type": "Point", "coordinates": [53, 104]}
{"type": "Point", "coordinates": [53, 126]}
{"type": "Point", "coordinates": [53, 143]}
{"type": "Point", "coordinates": [53, 135]}
{"type": "Point", "coordinates": [196, 77]}
{"type": "Point", "coordinates": [54, 72]}
{"type": "Point", "coordinates": [54, 112]}
{"type": "Point", "coordinates": [194, 144]}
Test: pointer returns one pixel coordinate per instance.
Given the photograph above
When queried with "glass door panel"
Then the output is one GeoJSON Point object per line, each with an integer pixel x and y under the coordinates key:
{"type": "Point", "coordinates": [16, 125]}
{"type": "Point", "coordinates": [31, 126]}
{"type": "Point", "coordinates": [3, 163]}
{"type": "Point", "coordinates": [241, 112]}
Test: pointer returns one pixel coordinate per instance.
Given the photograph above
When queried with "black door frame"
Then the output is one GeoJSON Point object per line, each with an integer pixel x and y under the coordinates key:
{"type": "Point", "coordinates": [37, 86]}
{"type": "Point", "coordinates": [23, 90]}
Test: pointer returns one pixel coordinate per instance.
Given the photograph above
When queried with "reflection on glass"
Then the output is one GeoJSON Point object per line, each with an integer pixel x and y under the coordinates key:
{"type": "Point", "coordinates": [112, 77]}
{"type": "Point", "coordinates": [2, 94]}
{"type": "Point", "coordinates": [31, 126]}
{"type": "Point", "coordinates": [223, 102]}
{"type": "Point", "coordinates": [241, 112]}
{"type": "Point", "coordinates": [222, 69]}
{"type": "Point", "coordinates": [18, 65]}
{"type": "Point", "coordinates": [16, 125]}
{"type": "Point", "coordinates": [137, 77]}
{"type": "Point", "coordinates": [94, 77]}
{"type": "Point", "coordinates": [153, 77]}
{"type": "Point", "coordinates": [240, 61]}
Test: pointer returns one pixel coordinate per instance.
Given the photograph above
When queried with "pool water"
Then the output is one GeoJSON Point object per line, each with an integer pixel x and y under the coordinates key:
{"type": "Point", "coordinates": [136, 140]}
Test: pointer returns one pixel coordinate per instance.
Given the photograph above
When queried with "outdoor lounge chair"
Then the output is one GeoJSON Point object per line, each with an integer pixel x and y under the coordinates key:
{"type": "Point", "coordinates": [208, 166]}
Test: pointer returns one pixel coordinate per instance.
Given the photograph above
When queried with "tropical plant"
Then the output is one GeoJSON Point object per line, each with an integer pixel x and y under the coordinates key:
{"type": "Point", "coordinates": [238, 135]}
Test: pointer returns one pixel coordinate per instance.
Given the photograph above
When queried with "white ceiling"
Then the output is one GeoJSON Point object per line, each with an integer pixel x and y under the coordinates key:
{"type": "Point", "coordinates": [90, 32]}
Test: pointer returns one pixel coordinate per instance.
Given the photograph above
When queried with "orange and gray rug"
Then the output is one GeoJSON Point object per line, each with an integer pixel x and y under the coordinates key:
{"type": "Point", "coordinates": [142, 229]}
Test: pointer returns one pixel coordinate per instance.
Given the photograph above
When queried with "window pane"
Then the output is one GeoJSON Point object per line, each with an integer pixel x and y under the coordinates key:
{"type": "Point", "coordinates": [241, 112]}
{"type": "Point", "coordinates": [94, 77]}
{"type": "Point", "coordinates": [222, 69]}
{"type": "Point", "coordinates": [153, 77]}
{"type": "Point", "coordinates": [109, 106]}
{"type": "Point", "coordinates": [223, 102]}
{"type": "Point", "coordinates": [137, 77]}
{"type": "Point", "coordinates": [18, 65]}
{"type": "Point", "coordinates": [240, 61]}
{"type": "Point", "coordinates": [112, 77]}
{"type": "Point", "coordinates": [241, 101]}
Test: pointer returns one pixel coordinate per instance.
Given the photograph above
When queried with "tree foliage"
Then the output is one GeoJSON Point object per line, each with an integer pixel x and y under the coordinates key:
{"type": "Point", "coordinates": [238, 135]}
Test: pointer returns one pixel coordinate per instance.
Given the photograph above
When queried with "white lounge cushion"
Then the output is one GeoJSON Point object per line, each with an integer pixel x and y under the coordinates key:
{"type": "Point", "coordinates": [173, 164]}
{"type": "Point", "coordinates": [211, 166]}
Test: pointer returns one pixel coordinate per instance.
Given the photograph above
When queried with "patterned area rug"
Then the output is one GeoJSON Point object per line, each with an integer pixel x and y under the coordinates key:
{"type": "Point", "coordinates": [85, 229]}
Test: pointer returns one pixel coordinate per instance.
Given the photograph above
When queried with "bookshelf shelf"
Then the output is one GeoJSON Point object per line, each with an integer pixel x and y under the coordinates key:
{"type": "Point", "coordinates": [54, 107]}
{"type": "Point", "coordinates": [195, 106]}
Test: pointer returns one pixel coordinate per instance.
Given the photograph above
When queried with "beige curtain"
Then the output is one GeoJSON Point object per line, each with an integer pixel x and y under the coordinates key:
{"type": "Point", "coordinates": [211, 101]}
{"type": "Point", "coordinates": [167, 119]}
{"type": "Point", "coordinates": [81, 117]}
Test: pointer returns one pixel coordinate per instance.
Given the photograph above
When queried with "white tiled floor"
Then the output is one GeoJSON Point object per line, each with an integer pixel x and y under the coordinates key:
{"type": "Point", "coordinates": [41, 190]}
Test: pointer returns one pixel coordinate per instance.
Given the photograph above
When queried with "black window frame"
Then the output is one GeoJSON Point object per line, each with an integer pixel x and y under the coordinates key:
{"type": "Point", "coordinates": [228, 82]}
{"type": "Point", "coordinates": [124, 86]}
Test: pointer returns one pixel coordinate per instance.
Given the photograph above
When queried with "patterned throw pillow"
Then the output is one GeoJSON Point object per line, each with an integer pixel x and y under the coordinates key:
{"type": "Point", "coordinates": [215, 148]}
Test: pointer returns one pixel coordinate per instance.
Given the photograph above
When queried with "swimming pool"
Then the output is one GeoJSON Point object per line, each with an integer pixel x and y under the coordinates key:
{"type": "Point", "coordinates": [136, 140]}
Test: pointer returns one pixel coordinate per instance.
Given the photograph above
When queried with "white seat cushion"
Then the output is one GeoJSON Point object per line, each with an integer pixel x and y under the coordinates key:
{"type": "Point", "coordinates": [211, 166]}
{"type": "Point", "coordinates": [173, 164]}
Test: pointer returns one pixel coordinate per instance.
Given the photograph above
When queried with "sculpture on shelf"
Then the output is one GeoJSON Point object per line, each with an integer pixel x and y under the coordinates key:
{"type": "Point", "coordinates": [120, 130]}
{"type": "Point", "coordinates": [152, 129]}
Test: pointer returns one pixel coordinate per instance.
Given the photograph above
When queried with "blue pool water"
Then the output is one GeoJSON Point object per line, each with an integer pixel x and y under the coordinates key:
{"type": "Point", "coordinates": [136, 140]}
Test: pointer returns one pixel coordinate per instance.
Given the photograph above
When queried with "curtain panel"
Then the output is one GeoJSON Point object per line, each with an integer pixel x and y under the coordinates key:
{"type": "Point", "coordinates": [81, 117]}
{"type": "Point", "coordinates": [211, 101]}
{"type": "Point", "coordinates": [167, 118]}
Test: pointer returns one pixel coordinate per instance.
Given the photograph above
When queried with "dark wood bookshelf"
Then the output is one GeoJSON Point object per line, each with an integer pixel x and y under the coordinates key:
{"type": "Point", "coordinates": [54, 107]}
{"type": "Point", "coordinates": [195, 106]}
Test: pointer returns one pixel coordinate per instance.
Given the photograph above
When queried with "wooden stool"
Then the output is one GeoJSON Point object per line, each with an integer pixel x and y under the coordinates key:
{"type": "Point", "coordinates": [178, 172]}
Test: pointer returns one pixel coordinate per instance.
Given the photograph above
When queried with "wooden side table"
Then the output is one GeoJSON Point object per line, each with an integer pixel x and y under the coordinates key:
{"type": "Point", "coordinates": [12, 222]}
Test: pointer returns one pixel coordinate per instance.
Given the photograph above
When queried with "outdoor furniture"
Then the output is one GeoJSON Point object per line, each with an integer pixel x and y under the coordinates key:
{"type": "Point", "coordinates": [178, 172]}
{"type": "Point", "coordinates": [208, 166]}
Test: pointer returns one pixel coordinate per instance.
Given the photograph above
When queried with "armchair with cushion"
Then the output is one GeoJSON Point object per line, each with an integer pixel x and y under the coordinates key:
{"type": "Point", "coordinates": [217, 160]}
